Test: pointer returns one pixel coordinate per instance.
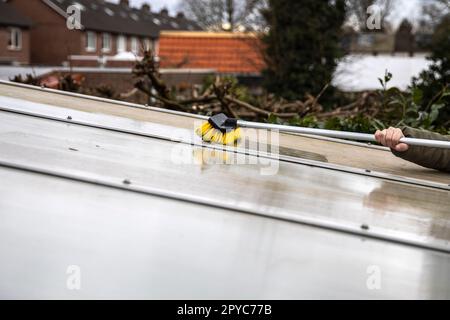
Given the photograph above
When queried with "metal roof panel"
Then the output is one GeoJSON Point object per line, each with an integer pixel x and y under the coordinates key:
{"type": "Point", "coordinates": [156, 248]}
{"type": "Point", "coordinates": [351, 156]}
{"type": "Point", "coordinates": [105, 190]}
{"type": "Point", "coordinates": [328, 198]}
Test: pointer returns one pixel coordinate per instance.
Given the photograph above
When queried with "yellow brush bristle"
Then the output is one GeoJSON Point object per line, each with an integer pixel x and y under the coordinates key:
{"type": "Point", "coordinates": [203, 129]}
{"type": "Point", "coordinates": [209, 134]}
{"type": "Point", "coordinates": [231, 137]}
{"type": "Point", "coordinates": [217, 137]}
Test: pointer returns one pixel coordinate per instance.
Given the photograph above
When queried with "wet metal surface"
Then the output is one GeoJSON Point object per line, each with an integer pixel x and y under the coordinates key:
{"type": "Point", "coordinates": [342, 153]}
{"type": "Point", "coordinates": [149, 128]}
{"type": "Point", "coordinates": [302, 154]}
{"type": "Point", "coordinates": [131, 245]}
{"type": "Point", "coordinates": [135, 245]}
{"type": "Point", "coordinates": [290, 191]}
{"type": "Point", "coordinates": [182, 129]}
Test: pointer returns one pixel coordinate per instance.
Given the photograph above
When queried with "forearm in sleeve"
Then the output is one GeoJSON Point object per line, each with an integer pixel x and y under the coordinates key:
{"type": "Point", "coordinates": [434, 158]}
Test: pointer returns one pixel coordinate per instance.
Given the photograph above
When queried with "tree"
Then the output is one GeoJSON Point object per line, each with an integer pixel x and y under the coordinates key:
{"type": "Point", "coordinates": [434, 83]}
{"type": "Point", "coordinates": [228, 15]}
{"type": "Point", "coordinates": [302, 45]}
{"type": "Point", "coordinates": [404, 38]}
{"type": "Point", "coordinates": [434, 11]}
{"type": "Point", "coordinates": [432, 14]}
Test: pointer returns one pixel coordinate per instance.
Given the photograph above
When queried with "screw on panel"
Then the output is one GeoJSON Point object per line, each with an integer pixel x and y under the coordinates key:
{"type": "Point", "coordinates": [368, 171]}
{"type": "Point", "coordinates": [69, 118]}
{"type": "Point", "coordinates": [364, 227]}
{"type": "Point", "coordinates": [73, 149]}
{"type": "Point", "coordinates": [127, 182]}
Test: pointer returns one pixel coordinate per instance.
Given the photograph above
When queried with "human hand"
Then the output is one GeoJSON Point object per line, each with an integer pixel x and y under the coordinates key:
{"type": "Point", "coordinates": [391, 138]}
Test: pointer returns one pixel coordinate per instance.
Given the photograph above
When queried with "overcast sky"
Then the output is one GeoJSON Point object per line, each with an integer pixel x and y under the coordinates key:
{"type": "Point", "coordinates": [404, 8]}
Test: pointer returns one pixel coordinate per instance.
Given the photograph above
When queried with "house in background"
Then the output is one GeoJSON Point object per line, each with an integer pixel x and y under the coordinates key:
{"type": "Point", "coordinates": [112, 34]}
{"type": "Point", "coordinates": [369, 54]}
{"type": "Point", "coordinates": [14, 36]}
{"type": "Point", "coordinates": [192, 53]}
{"type": "Point", "coordinates": [226, 52]}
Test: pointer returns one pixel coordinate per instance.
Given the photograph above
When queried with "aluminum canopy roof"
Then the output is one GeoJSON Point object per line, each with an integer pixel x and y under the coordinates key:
{"type": "Point", "coordinates": [344, 154]}
{"type": "Point", "coordinates": [108, 192]}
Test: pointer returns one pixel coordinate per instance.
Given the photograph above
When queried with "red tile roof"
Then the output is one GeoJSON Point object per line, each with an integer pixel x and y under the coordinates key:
{"type": "Point", "coordinates": [224, 52]}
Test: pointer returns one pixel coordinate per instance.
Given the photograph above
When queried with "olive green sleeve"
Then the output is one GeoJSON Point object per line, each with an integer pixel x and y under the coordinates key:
{"type": "Point", "coordinates": [434, 158]}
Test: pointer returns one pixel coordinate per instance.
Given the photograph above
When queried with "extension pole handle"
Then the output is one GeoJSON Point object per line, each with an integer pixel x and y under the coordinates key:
{"type": "Point", "coordinates": [426, 143]}
{"type": "Point", "coordinates": [341, 134]}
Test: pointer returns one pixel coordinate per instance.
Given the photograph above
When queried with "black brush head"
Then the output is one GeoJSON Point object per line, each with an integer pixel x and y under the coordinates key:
{"type": "Point", "coordinates": [223, 123]}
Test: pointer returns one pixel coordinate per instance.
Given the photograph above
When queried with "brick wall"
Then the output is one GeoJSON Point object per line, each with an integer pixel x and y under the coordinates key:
{"type": "Point", "coordinates": [123, 82]}
{"type": "Point", "coordinates": [21, 56]}
{"type": "Point", "coordinates": [89, 58]}
{"type": "Point", "coordinates": [113, 37]}
{"type": "Point", "coordinates": [98, 51]}
{"type": "Point", "coordinates": [50, 40]}
{"type": "Point", "coordinates": [120, 82]}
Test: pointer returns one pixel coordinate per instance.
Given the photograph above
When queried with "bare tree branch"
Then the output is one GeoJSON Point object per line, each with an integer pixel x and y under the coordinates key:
{"type": "Point", "coordinates": [234, 14]}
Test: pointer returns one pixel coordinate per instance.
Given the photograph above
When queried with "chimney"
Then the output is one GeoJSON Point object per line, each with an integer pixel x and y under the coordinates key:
{"type": "Point", "coordinates": [145, 7]}
{"type": "Point", "coordinates": [180, 15]}
{"type": "Point", "coordinates": [125, 3]}
{"type": "Point", "coordinates": [164, 12]}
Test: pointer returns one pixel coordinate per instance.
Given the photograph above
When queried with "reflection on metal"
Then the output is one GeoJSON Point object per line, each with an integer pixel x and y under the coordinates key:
{"type": "Point", "coordinates": [299, 193]}
{"type": "Point", "coordinates": [164, 132]}
{"type": "Point", "coordinates": [402, 237]}
{"type": "Point", "coordinates": [160, 213]}
{"type": "Point", "coordinates": [136, 246]}
{"type": "Point", "coordinates": [302, 154]}
{"type": "Point", "coordinates": [208, 157]}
